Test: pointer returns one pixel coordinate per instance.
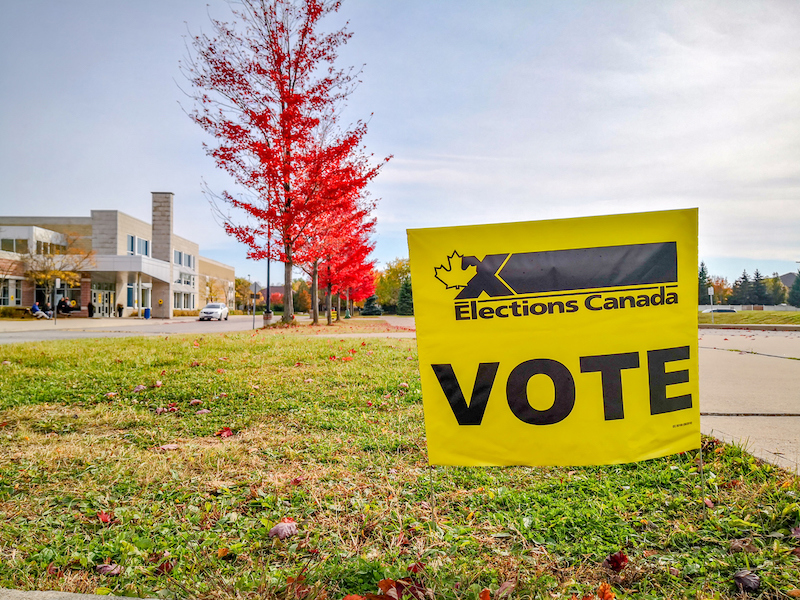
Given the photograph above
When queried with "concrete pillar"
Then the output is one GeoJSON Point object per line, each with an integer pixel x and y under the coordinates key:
{"type": "Point", "coordinates": [162, 250]}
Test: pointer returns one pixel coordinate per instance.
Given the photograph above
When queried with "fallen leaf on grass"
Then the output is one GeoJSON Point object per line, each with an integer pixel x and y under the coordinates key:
{"type": "Point", "coordinates": [112, 569]}
{"type": "Point", "coordinates": [616, 562]}
{"type": "Point", "coordinates": [158, 384]}
{"type": "Point", "coordinates": [746, 580]}
{"type": "Point", "coordinates": [287, 527]}
{"type": "Point", "coordinates": [52, 569]}
{"type": "Point", "coordinates": [743, 545]}
{"type": "Point", "coordinates": [353, 597]}
{"type": "Point", "coordinates": [604, 592]}
{"type": "Point", "coordinates": [166, 447]}
{"type": "Point", "coordinates": [111, 394]}
{"type": "Point", "coordinates": [485, 594]}
{"type": "Point", "coordinates": [195, 402]}
{"type": "Point", "coordinates": [220, 370]}
{"type": "Point", "coordinates": [6, 362]}
{"type": "Point", "coordinates": [104, 517]}
{"type": "Point", "coordinates": [139, 388]}
{"type": "Point", "coordinates": [224, 432]}
{"type": "Point", "coordinates": [203, 411]}
{"type": "Point", "coordinates": [404, 385]}
{"type": "Point", "coordinates": [225, 554]}
{"type": "Point", "coordinates": [793, 593]}
{"type": "Point", "coordinates": [795, 531]}
{"type": "Point", "coordinates": [194, 363]}
{"type": "Point", "coordinates": [165, 567]}
{"type": "Point", "coordinates": [506, 588]}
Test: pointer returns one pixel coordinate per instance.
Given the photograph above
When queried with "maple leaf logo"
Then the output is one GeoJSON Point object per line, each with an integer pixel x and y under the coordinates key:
{"type": "Point", "coordinates": [455, 277]}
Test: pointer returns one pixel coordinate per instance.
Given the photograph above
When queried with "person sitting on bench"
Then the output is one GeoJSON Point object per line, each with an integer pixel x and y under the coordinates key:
{"type": "Point", "coordinates": [38, 312]}
{"type": "Point", "coordinates": [64, 307]}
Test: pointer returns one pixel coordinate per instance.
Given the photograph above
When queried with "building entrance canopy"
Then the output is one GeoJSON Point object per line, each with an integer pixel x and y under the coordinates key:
{"type": "Point", "coordinates": [157, 269]}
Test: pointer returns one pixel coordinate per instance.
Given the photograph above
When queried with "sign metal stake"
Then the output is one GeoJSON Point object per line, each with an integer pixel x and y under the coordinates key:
{"type": "Point", "coordinates": [703, 483]}
{"type": "Point", "coordinates": [433, 494]}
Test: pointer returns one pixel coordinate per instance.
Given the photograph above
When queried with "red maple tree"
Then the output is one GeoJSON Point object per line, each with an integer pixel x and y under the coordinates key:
{"type": "Point", "coordinates": [267, 88]}
{"type": "Point", "coordinates": [345, 265]}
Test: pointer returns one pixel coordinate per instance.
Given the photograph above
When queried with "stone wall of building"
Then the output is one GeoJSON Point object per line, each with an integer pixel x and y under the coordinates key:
{"type": "Point", "coordinates": [162, 250]}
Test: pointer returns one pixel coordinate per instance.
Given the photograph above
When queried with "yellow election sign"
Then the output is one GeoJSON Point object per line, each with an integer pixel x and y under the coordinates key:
{"type": "Point", "coordinates": [565, 342]}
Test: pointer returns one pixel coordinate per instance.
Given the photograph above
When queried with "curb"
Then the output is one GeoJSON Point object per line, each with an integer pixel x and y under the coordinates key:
{"type": "Point", "coordinates": [751, 327]}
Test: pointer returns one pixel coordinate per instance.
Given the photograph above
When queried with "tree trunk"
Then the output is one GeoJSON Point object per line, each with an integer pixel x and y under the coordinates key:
{"type": "Point", "coordinates": [315, 293]}
{"type": "Point", "coordinates": [338, 307]}
{"type": "Point", "coordinates": [288, 306]}
{"type": "Point", "coordinates": [329, 302]}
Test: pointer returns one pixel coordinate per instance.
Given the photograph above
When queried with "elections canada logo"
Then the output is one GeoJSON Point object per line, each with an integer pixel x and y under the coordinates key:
{"type": "Point", "coordinates": [507, 285]}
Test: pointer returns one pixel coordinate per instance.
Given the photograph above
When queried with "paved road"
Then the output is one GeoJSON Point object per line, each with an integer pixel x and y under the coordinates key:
{"type": "Point", "coordinates": [75, 328]}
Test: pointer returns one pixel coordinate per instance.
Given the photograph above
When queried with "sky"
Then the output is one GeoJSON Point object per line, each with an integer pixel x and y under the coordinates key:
{"type": "Point", "coordinates": [513, 110]}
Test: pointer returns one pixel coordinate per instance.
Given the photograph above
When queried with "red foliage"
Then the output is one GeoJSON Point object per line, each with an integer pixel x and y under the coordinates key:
{"type": "Point", "coordinates": [266, 87]}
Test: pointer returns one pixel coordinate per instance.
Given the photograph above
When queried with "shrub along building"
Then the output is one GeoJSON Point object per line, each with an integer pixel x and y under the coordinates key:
{"type": "Point", "coordinates": [127, 264]}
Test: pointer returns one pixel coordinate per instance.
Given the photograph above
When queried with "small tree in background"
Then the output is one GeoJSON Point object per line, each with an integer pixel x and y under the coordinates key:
{"type": "Point", "coordinates": [387, 286]}
{"type": "Point", "coordinates": [776, 290]}
{"type": "Point", "coordinates": [47, 262]}
{"type": "Point", "coordinates": [759, 294]}
{"type": "Point", "coordinates": [742, 290]}
{"type": "Point", "coordinates": [703, 283]}
{"type": "Point", "coordinates": [371, 307]}
{"type": "Point", "coordinates": [794, 291]}
{"type": "Point", "coordinates": [243, 289]}
{"type": "Point", "coordinates": [722, 290]}
{"type": "Point", "coordinates": [301, 296]}
{"type": "Point", "coordinates": [405, 298]}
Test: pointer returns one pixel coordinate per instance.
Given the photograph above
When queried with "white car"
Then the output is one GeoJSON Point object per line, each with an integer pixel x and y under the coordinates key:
{"type": "Point", "coordinates": [215, 310]}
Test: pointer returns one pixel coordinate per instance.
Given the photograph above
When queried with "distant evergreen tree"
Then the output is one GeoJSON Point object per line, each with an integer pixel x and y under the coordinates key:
{"type": "Point", "coordinates": [371, 307]}
{"type": "Point", "coordinates": [703, 283]}
{"type": "Point", "coordinates": [405, 299]}
{"type": "Point", "coordinates": [776, 290]}
{"type": "Point", "coordinates": [758, 289]}
{"type": "Point", "coordinates": [794, 291]}
{"type": "Point", "coordinates": [742, 290]}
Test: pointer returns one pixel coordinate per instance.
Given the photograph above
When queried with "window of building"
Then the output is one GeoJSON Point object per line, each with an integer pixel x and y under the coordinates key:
{"type": "Point", "coordinates": [188, 261]}
{"type": "Point", "coordinates": [176, 300]}
{"type": "Point", "coordinates": [21, 246]}
{"type": "Point", "coordinates": [7, 245]}
{"type": "Point", "coordinates": [178, 257]}
{"type": "Point", "coordinates": [131, 244]}
{"type": "Point", "coordinates": [188, 301]}
{"type": "Point", "coordinates": [11, 293]}
{"type": "Point", "coordinates": [143, 247]}
{"type": "Point", "coordinates": [131, 296]}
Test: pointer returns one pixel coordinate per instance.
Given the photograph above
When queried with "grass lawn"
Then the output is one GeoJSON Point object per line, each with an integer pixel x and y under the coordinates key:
{"type": "Point", "coordinates": [753, 317]}
{"type": "Point", "coordinates": [144, 466]}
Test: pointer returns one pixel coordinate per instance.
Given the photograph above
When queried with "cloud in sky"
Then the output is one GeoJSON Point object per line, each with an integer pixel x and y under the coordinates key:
{"type": "Point", "coordinates": [493, 112]}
